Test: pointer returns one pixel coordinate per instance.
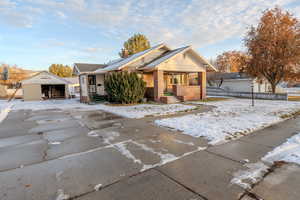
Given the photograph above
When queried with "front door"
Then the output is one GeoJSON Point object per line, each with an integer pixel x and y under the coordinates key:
{"type": "Point", "coordinates": [92, 85]}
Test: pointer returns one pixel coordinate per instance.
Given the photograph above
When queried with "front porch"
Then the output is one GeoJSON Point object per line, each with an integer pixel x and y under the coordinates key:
{"type": "Point", "coordinates": [163, 86]}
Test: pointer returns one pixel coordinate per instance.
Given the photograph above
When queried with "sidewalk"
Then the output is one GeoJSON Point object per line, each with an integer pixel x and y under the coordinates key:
{"type": "Point", "coordinates": [204, 174]}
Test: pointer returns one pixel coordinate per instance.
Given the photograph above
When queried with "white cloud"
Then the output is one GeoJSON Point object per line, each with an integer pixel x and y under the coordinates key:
{"type": "Point", "coordinates": [60, 14]}
{"type": "Point", "coordinates": [11, 14]}
{"type": "Point", "coordinates": [6, 3]}
{"type": "Point", "coordinates": [91, 49]}
{"type": "Point", "coordinates": [176, 22]}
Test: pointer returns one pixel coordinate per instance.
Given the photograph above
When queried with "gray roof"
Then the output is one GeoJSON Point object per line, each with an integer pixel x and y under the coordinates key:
{"type": "Point", "coordinates": [72, 80]}
{"type": "Point", "coordinates": [122, 62]}
{"type": "Point", "coordinates": [86, 67]}
{"type": "Point", "coordinates": [45, 77]}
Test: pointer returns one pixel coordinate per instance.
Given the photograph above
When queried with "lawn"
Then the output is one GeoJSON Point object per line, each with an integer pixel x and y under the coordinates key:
{"type": "Point", "coordinates": [130, 111]}
{"type": "Point", "coordinates": [213, 99]}
{"type": "Point", "coordinates": [231, 119]}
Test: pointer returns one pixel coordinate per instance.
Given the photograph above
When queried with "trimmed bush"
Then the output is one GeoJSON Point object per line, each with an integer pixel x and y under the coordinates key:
{"type": "Point", "coordinates": [124, 87]}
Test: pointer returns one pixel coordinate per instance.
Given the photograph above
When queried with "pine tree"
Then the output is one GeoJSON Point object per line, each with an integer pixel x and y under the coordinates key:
{"type": "Point", "coordinates": [124, 87]}
{"type": "Point", "coordinates": [137, 43]}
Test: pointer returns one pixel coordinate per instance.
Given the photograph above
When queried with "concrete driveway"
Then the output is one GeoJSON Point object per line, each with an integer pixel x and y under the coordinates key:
{"type": "Point", "coordinates": [79, 154]}
{"type": "Point", "coordinates": [50, 153]}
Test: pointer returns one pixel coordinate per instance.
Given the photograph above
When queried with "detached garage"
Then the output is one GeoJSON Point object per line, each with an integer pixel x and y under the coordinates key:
{"type": "Point", "coordinates": [45, 85]}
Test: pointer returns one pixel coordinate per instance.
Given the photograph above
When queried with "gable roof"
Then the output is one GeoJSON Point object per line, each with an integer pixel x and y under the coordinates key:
{"type": "Point", "coordinates": [72, 80]}
{"type": "Point", "coordinates": [170, 54]}
{"type": "Point", "coordinates": [87, 67]}
{"type": "Point", "coordinates": [45, 77]}
{"type": "Point", "coordinates": [118, 65]}
{"type": "Point", "coordinates": [164, 57]}
{"type": "Point", "coordinates": [123, 62]}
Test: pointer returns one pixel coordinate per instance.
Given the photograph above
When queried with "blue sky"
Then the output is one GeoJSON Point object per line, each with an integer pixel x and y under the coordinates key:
{"type": "Point", "coordinates": [37, 33]}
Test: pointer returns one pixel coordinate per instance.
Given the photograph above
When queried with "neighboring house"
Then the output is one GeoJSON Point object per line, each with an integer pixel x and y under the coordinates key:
{"type": "Point", "coordinates": [74, 87]}
{"type": "Point", "coordinates": [7, 91]}
{"type": "Point", "coordinates": [80, 68]}
{"type": "Point", "coordinates": [237, 82]}
{"type": "Point", "coordinates": [45, 85]}
{"type": "Point", "coordinates": [164, 70]}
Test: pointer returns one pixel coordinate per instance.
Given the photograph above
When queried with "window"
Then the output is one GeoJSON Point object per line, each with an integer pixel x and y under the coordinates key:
{"type": "Point", "coordinates": [177, 79]}
{"type": "Point", "coordinates": [92, 80]}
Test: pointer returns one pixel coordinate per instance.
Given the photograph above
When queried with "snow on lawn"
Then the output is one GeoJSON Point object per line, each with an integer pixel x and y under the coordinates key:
{"type": "Point", "coordinates": [133, 111]}
{"type": "Point", "coordinates": [254, 173]}
{"type": "Point", "coordinates": [231, 118]}
{"type": "Point", "coordinates": [288, 151]}
{"type": "Point", "coordinates": [4, 109]}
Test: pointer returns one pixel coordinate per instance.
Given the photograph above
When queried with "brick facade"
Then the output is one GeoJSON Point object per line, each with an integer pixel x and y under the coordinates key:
{"type": "Point", "coordinates": [187, 92]}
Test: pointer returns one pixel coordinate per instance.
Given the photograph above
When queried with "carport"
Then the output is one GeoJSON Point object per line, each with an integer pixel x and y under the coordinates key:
{"type": "Point", "coordinates": [45, 85]}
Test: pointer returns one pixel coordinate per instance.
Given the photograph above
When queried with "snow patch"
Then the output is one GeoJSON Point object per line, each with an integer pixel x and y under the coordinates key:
{"type": "Point", "coordinates": [61, 195]}
{"type": "Point", "coordinates": [58, 175]}
{"type": "Point", "coordinates": [90, 151]}
{"type": "Point", "coordinates": [183, 142]}
{"type": "Point", "coordinates": [164, 157]}
{"type": "Point", "coordinates": [110, 136]}
{"type": "Point", "coordinates": [134, 111]}
{"type": "Point", "coordinates": [288, 151]}
{"type": "Point", "coordinates": [245, 178]}
{"type": "Point", "coordinates": [55, 143]}
{"type": "Point", "coordinates": [230, 119]}
{"type": "Point", "coordinates": [92, 134]}
{"type": "Point", "coordinates": [4, 110]}
{"type": "Point", "coordinates": [121, 147]}
{"type": "Point", "coordinates": [98, 187]}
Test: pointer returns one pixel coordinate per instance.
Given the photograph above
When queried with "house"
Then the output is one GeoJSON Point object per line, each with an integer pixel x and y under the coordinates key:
{"type": "Point", "coordinates": [237, 82]}
{"type": "Point", "coordinates": [80, 68]}
{"type": "Point", "coordinates": [73, 86]}
{"type": "Point", "coordinates": [166, 71]}
{"type": "Point", "coordinates": [45, 85]}
{"type": "Point", "coordinates": [7, 91]}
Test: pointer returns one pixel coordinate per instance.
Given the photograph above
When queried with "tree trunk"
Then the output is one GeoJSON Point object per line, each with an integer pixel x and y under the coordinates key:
{"type": "Point", "coordinates": [273, 85]}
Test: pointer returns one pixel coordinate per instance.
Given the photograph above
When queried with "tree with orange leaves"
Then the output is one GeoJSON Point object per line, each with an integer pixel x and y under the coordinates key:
{"type": "Point", "coordinates": [274, 47]}
{"type": "Point", "coordinates": [231, 61]}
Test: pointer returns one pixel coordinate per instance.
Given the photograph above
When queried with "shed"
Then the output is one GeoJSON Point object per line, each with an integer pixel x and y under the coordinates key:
{"type": "Point", "coordinates": [45, 85]}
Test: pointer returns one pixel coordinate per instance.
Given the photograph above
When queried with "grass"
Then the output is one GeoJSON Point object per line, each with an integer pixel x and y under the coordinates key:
{"type": "Point", "coordinates": [168, 94]}
{"type": "Point", "coordinates": [294, 98]}
{"type": "Point", "coordinates": [212, 99]}
{"type": "Point", "coordinates": [290, 115]}
{"type": "Point", "coordinates": [134, 104]}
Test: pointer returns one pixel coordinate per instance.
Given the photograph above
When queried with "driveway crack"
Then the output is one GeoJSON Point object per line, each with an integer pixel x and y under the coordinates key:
{"type": "Point", "coordinates": [181, 184]}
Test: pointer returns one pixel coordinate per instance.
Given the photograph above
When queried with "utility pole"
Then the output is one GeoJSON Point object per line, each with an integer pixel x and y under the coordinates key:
{"type": "Point", "coordinates": [252, 93]}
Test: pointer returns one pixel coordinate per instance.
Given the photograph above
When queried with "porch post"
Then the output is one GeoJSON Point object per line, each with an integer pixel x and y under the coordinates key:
{"type": "Point", "coordinates": [158, 76]}
{"type": "Point", "coordinates": [202, 83]}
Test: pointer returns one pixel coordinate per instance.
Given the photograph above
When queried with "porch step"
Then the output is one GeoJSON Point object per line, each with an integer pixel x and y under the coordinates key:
{"type": "Point", "coordinates": [169, 99]}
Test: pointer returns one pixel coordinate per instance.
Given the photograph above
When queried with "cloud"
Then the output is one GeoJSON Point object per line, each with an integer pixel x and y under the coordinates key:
{"type": "Point", "coordinates": [176, 22]}
{"type": "Point", "coordinates": [91, 49]}
{"type": "Point", "coordinates": [60, 14]}
{"type": "Point", "coordinates": [23, 16]}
